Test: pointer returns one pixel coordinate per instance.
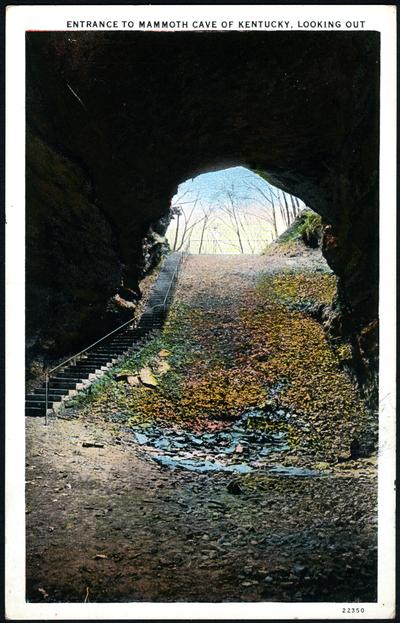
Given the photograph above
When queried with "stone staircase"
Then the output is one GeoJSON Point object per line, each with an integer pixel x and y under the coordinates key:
{"type": "Point", "coordinates": [77, 374]}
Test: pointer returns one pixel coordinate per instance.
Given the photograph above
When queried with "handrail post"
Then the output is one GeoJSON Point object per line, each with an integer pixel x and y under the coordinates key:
{"type": "Point", "coordinates": [47, 398]}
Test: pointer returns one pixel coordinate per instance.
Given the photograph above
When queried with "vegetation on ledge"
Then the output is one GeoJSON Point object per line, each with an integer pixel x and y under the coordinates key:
{"type": "Point", "coordinates": [305, 230]}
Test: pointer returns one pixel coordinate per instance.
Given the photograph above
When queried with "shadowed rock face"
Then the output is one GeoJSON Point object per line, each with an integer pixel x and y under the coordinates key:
{"type": "Point", "coordinates": [118, 120]}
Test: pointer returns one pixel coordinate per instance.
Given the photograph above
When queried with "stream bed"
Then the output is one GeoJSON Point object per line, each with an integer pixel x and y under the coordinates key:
{"type": "Point", "coordinates": [240, 448]}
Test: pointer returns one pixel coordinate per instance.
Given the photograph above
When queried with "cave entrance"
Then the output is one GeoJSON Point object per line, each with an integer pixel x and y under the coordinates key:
{"type": "Point", "coordinates": [230, 211]}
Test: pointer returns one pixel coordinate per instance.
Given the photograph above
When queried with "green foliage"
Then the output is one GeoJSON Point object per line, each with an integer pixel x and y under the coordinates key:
{"type": "Point", "coordinates": [344, 352]}
{"type": "Point", "coordinates": [307, 228]}
{"type": "Point", "coordinates": [304, 287]}
{"type": "Point", "coordinates": [284, 247]}
{"type": "Point", "coordinates": [292, 234]}
{"type": "Point", "coordinates": [89, 394]}
{"type": "Point", "coordinates": [265, 176]}
{"type": "Point", "coordinates": [310, 228]}
{"type": "Point", "coordinates": [220, 365]}
{"type": "Point", "coordinates": [294, 349]}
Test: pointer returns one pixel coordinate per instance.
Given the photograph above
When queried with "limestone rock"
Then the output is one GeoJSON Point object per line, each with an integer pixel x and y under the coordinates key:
{"type": "Point", "coordinates": [147, 377]}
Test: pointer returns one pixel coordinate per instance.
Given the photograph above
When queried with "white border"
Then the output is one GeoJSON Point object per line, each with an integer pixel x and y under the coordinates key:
{"type": "Point", "coordinates": [21, 18]}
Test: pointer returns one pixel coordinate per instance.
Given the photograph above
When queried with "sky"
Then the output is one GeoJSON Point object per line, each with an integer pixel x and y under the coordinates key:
{"type": "Point", "coordinates": [209, 191]}
{"type": "Point", "coordinates": [208, 185]}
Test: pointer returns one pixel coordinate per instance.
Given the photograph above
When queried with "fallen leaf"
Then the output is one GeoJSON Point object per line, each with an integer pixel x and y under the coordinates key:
{"type": "Point", "coordinates": [100, 556]}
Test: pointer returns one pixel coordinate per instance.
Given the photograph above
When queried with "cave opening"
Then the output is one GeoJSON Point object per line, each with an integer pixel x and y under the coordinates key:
{"type": "Point", "coordinates": [228, 370]}
{"type": "Point", "coordinates": [229, 211]}
{"type": "Point", "coordinates": [261, 105]}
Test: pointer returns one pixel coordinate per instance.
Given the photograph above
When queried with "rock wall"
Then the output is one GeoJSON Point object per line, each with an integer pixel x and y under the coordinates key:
{"type": "Point", "coordinates": [117, 120]}
{"type": "Point", "coordinates": [72, 264]}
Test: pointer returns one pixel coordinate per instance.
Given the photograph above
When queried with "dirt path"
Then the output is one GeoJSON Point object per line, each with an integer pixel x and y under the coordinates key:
{"type": "Point", "coordinates": [108, 523]}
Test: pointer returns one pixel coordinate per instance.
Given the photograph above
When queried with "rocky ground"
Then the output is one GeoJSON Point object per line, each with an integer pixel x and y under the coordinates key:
{"type": "Point", "coordinates": [213, 466]}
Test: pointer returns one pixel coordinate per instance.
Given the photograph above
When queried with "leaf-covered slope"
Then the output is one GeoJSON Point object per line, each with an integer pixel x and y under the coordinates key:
{"type": "Point", "coordinates": [234, 345]}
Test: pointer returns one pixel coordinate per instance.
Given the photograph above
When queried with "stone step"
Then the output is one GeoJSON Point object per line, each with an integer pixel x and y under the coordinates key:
{"type": "Point", "coordinates": [79, 374]}
{"type": "Point", "coordinates": [122, 338]}
{"type": "Point", "coordinates": [41, 398]}
{"type": "Point", "coordinates": [33, 404]}
{"type": "Point", "coordinates": [55, 392]}
{"type": "Point", "coordinates": [101, 363]}
{"type": "Point", "coordinates": [112, 355]}
{"type": "Point", "coordinates": [93, 367]}
{"type": "Point", "coordinates": [140, 332]}
{"type": "Point", "coordinates": [61, 383]}
{"type": "Point", "coordinates": [109, 348]}
{"type": "Point", "coordinates": [97, 357]}
{"type": "Point", "coordinates": [72, 377]}
{"type": "Point", "coordinates": [34, 411]}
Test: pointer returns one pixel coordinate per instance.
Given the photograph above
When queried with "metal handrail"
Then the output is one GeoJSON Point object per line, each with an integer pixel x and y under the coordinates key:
{"type": "Point", "coordinates": [75, 357]}
{"type": "Point", "coordinates": [85, 350]}
{"type": "Point", "coordinates": [60, 365]}
{"type": "Point", "coordinates": [172, 282]}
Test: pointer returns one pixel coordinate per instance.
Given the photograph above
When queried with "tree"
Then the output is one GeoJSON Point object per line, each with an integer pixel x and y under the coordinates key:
{"type": "Point", "coordinates": [271, 195]}
{"type": "Point", "coordinates": [206, 221]}
{"type": "Point", "coordinates": [264, 190]}
{"type": "Point", "coordinates": [241, 213]}
{"type": "Point", "coordinates": [188, 220]}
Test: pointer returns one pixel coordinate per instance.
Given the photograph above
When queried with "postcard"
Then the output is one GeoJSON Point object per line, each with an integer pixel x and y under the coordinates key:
{"type": "Point", "coordinates": [200, 260]}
